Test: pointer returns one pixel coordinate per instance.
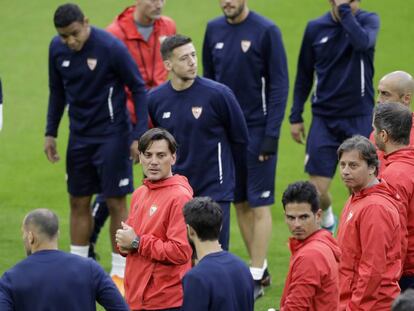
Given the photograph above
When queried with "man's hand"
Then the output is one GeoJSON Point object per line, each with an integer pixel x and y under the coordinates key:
{"type": "Point", "coordinates": [124, 238]}
{"type": "Point", "coordinates": [297, 130]}
{"type": "Point", "coordinates": [50, 149]}
{"type": "Point", "coordinates": [134, 151]}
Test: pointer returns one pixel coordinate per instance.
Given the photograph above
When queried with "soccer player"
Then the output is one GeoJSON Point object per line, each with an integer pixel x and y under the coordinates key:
{"type": "Point", "coordinates": [395, 87]}
{"type": "Point", "coordinates": [220, 281]}
{"type": "Point", "coordinates": [49, 279]}
{"type": "Point", "coordinates": [244, 51]}
{"type": "Point", "coordinates": [88, 69]}
{"type": "Point", "coordinates": [154, 237]}
{"type": "Point", "coordinates": [312, 282]}
{"type": "Point", "coordinates": [336, 60]}
{"type": "Point", "coordinates": [369, 232]}
{"type": "Point", "coordinates": [142, 28]}
{"type": "Point", "coordinates": [207, 122]}
{"type": "Point", "coordinates": [392, 127]}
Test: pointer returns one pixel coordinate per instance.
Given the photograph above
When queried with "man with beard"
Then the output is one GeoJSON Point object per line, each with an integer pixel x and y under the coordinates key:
{"type": "Point", "coordinates": [154, 238]}
{"type": "Point", "coordinates": [244, 51]}
{"type": "Point", "coordinates": [207, 122]}
{"type": "Point", "coordinates": [220, 281]}
{"type": "Point", "coordinates": [142, 28]}
{"type": "Point", "coordinates": [392, 126]}
{"type": "Point", "coordinates": [336, 60]}
{"type": "Point", "coordinates": [49, 279]}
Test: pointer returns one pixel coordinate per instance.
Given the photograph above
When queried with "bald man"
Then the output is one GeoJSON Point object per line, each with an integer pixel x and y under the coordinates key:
{"type": "Point", "coordinates": [395, 87]}
{"type": "Point", "coordinates": [49, 279]}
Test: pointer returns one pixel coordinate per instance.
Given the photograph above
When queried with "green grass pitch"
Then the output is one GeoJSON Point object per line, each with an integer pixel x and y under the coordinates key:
{"type": "Point", "coordinates": [28, 180]}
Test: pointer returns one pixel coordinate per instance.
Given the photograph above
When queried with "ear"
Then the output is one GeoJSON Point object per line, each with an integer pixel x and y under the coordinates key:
{"type": "Point", "coordinates": [167, 64]}
{"type": "Point", "coordinates": [191, 231]}
{"type": "Point", "coordinates": [173, 158]}
{"type": "Point", "coordinates": [407, 99]}
{"type": "Point", "coordinates": [318, 216]}
{"type": "Point", "coordinates": [85, 21]}
{"type": "Point", "coordinates": [30, 237]}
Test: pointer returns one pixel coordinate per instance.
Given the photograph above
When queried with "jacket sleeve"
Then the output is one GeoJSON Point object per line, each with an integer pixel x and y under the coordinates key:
{"type": "Point", "coordinates": [129, 73]}
{"type": "Point", "coordinates": [304, 78]}
{"type": "Point", "coordinates": [57, 100]}
{"type": "Point", "coordinates": [107, 295]}
{"type": "Point", "coordinates": [276, 79]}
{"type": "Point", "coordinates": [376, 232]}
{"type": "Point", "coordinates": [196, 295]}
{"type": "Point", "coordinates": [6, 296]}
{"type": "Point", "coordinates": [174, 249]}
{"type": "Point", "coordinates": [362, 35]}
{"type": "Point", "coordinates": [305, 280]}
{"type": "Point", "coordinates": [208, 65]}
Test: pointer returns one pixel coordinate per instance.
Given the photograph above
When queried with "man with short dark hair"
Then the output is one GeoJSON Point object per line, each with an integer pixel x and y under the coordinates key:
{"type": "Point", "coordinates": [154, 237]}
{"type": "Point", "coordinates": [312, 282]}
{"type": "Point", "coordinates": [88, 71]}
{"type": "Point", "coordinates": [205, 118]}
{"type": "Point", "coordinates": [369, 232]}
{"type": "Point", "coordinates": [245, 51]}
{"type": "Point", "coordinates": [49, 279]}
{"type": "Point", "coordinates": [392, 126]}
{"type": "Point", "coordinates": [220, 281]}
{"type": "Point", "coordinates": [142, 28]}
{"type": "Point", "coordinates": [404, 302]}
{"type": "Point", "coordinates": [336, 61]}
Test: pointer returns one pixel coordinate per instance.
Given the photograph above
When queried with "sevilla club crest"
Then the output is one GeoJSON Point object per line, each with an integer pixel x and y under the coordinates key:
{"type": "Point", "coordinates": [197, 111]}
{"type": "Point", "coordinates": [245, 45]}
{"type": "Point", "coordinates": [92, 63]}
{"type": "Point", "coordinates": [152, 210]}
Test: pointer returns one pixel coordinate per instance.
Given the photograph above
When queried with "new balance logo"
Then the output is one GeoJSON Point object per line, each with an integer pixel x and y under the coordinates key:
{"type": "Point", "coordinates": [219, 45]}
{"type": "Point", "coordinates": [324, 40]}
{"type": "Point", "coordinates": [349, 216]}
{"type": "Point", "coordinates": [124, 182]}
{"type": "Point", "coordinates": [66, 63]}
{"type": "Point", "coordinates": [166, 115]}
{"type": "Point", "coordinates": [265, 194]}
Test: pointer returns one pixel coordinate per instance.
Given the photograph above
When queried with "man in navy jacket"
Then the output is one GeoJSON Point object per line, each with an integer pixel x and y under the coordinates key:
{"type": "Point", "coordinates": [336, 60]}
{"type": "Point", "coordinates": [49, 279]}
{"type": "Point", "coordinates": [88, 71]}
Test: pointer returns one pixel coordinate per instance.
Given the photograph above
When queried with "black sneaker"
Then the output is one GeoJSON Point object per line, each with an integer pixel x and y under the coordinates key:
{"type": "Point", "coordinates": [258, 289]}
{"type": "Point", "coordinates": [266, 279]}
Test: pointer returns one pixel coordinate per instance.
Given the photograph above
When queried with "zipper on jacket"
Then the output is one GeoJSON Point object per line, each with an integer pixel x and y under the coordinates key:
{"type": "Point", "coordinates": [220, 163]}
{"type": "Point", "coordinates": [264, 107]}
{"type": "Point", "coordinates": [110, 107]}
{"type": "Point", "coordinates": [362, 78]}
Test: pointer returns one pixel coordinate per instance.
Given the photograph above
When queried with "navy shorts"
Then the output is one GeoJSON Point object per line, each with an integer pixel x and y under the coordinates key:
{"type": "Point", "coordinates": [259, 188]}
{"type": "Point", "coordinates": [325, 136]}
{"type": "Point", "coordinates": [103, 167]}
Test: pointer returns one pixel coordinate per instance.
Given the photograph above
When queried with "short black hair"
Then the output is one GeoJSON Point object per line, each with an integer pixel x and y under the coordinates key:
{"type": "Point", "coordinates": [44, 220]}
{"type": "Point", "coordinates": [157, 133]}
{"type": "Point", "coordinates": [301, 192]}
{"type": "Point", "coordinates": [404, 302]}
{"type": "Point", "coordinates": [396, 119]}
{"type": "Point", "coordinates": [364, 146]}
{"type": "Point", "coordinates": [205, 216]}
{"type": "Point", "coordinates": [67, 14]}
{"type": "Point", "coordinates": [171, 43]}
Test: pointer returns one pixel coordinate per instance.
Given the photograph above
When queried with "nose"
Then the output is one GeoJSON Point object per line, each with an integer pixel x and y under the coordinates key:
{"type": "Point", "coordinates": [70, 40]}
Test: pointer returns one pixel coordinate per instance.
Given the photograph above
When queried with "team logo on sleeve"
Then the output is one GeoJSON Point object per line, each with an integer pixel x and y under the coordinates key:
{"type": "Point", "coordinates": [152, 209]}
{"type": "Point", "coordinates": [197, 111]}
{"type": "Point", "coordinates": [92, 63]}
{"type": "Point", "coordinates": [245, 45]}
